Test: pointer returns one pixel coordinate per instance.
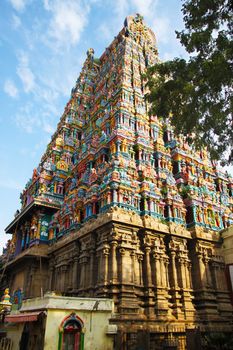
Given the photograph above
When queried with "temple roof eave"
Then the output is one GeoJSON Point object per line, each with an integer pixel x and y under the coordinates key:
{"type": "Point", "coordinates": [30, 253]}
{"type": "Point", "coordinates": [28, 210]}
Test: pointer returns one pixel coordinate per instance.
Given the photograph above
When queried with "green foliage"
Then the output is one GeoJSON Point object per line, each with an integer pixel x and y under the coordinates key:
{"type": "Point", "coordinates": [197, 93]}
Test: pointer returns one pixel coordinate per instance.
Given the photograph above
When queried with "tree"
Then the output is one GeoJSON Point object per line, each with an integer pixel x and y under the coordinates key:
{"type": "Point", "coordinates": [197, 93]}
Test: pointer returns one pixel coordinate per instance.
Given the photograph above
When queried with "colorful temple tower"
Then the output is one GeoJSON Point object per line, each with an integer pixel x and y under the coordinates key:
{"type": "Point", "coordinates": [118, 207]}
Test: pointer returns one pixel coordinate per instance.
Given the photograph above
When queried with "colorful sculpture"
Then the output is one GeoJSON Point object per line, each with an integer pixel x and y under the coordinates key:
{"type": "Point", "coordinates": [129, 211]}
{"type": "Point", "coordinates": [107, 151]}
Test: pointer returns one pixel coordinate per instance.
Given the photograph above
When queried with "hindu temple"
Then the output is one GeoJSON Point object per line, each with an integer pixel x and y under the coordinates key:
{"type": "Point", "coordinates": [120, 208]}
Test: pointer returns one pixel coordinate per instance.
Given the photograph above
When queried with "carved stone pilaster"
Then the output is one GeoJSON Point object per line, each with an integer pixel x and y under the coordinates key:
{"type": "Point", "coordinates": [187, 266]}
{"type": "Point", "coordinates": [91, 268]}
{"type": "Point", "coordinates": [205, 296]}
{"type": "Point", "coordinates": [75, 272]}
{"type": "Point", "coordinates": [140, 269]}
{"type": "Point", "coordinates": [160, 292]}
{"type": "Point", "coordinates": [113, 270]}
{"type": "Point", "coordinates": [208, 277]}
{"type": "Point", "coordinates": [51, 277]}
{"type": "Point", "coordinates": [83, 259]}
{"type": "Point", "coordinates": [105, 254]}
{"type": "Point", "coordinates": [121, 265]}
{"type": "Point", "coordinates": [217, 267]}
{"type": "Point", "coordinates": [148, 279]}
{"type": "Point", "coordinates": [133, 276]}
{"type": "Point", "coordinates": [174, 283]}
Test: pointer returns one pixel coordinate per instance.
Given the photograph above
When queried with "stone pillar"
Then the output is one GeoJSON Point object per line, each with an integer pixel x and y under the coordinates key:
{"type": "Point", "coordinates": [75, 273]}
{"type": "Point", "coordinates": [223, 277]}
{"type": "Point", "coordinates": [221, 292]}
{"type": "Point", "coordinates": [133, 279]}
{"type": "Point", "coordinates": [63, 277]}
{"type": "Point", "coordinates": [163, 272]}
{"type": "Point", "coordinates": [175, 288]}
{"type": "Point", "coordinates": [160, 293]}
{"type": "Point", "coordinates": [187, 273]}
{"type": "Point", "coordinates": [140, 270]}
{"type": "Point", "coordinates": [121, 272]}
{"type": "Point", "coordinates": [202, 273]}
{"type": "Point", "coordinates": [157, 270]}
{"type": "Point", "coordinates": [166, 264]}
{"type": "Point", "coordinates": [83, 261]}
{"type": "Point", "coordinates": [113, 261]}
{"type": "Point", "coordinates": [182, 273]}
{"type": "Point", "coordinates": [173, 268]}
{"type": "Point", "coordinates": [59, 286]}
{"type": "Point", "coordinates": [147, 267]}
{"type": "Point", "coordinates": [219, 277]}
{"type": "Point", "coordinates": [91, 268]}
{"type": "Point", "coordinates": [51, 274]}
{"type": "Point", "coordinates": [190, 274]}
{"type": "Point", "coordinates": [98, 272]}
{"type": "Point", "coordinates": [206, 301]}
{"type": "Point", "coordinates": [207, 272]}
{"type": "Point", "coordinates": [55, 278]}
{"type": "Point", "coordinates": [214, 269]}
{"type": "Point", "coordinates": [30, 282]}
{"type": "Point", "coordinates": [105, 254]}
{"type": "Point", "coordinates": [149, 292]}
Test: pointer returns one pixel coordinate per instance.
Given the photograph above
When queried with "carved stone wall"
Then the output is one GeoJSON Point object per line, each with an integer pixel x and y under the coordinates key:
{"type": "Point", "coordinates": [156, 274]}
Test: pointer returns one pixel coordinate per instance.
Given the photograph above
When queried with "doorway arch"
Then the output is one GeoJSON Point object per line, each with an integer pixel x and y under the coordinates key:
{"type": "Point", "coordinates": [71, 333]}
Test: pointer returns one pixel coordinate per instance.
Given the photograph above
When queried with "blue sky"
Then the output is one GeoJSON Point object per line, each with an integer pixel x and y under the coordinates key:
{"type": "Point", "coordinates": [43, 44]}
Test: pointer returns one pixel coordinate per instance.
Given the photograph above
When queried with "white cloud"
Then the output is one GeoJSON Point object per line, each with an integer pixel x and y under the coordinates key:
{"type": "Point", "coordinates": [68, 19]}
{"type": "Point", "coordinates": [121, 9]}
{"type": "Point", "coordinates": [145, 7]}
{"type": "Point", "coordinates": [36, 150]}
{"type": "Point", "coordinates": [27, 153]}
{"type": "Point", "coordinates": [47, 5]}
{"type": "Point", "coordinates": [168, 56]}
{"type": "Point", "coordinates": [105, 32]}
{"type": "Point", "coordinates": [16, 22]}
{"type": "Point", "coordinates": [25, 73]}
{"type": "Point", "coordinates": [48, 128]}
{"type": "Point", "coordinates": [27, 119]}
{"type": "Point", "coordinates": [10, 88]}
{"type": "Point", "coordinates": [27, 122]}
{"type": "Point", "coordinates": [163, 30]}
{"type": "Point", "coordinates": [19, 5]}
{"type": "Point", "coordinates": [32, 118]}
{"type": "Point", "coordinates": [10, 184]}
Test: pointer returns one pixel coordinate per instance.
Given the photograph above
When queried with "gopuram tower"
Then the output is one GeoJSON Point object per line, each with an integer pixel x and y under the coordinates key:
{"type": "Point", "coordinates": [120, 208]}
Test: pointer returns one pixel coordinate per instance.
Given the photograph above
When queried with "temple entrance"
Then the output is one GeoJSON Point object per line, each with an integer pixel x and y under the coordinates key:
{"type": "Point", "coordinates": [71, 338]}
{"type": "Point", "coordinates": [33, 335]}
{"type": "Point", "coordinates": [71, 335]}
{"type": "Point", "coordinates": [25, 337]}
